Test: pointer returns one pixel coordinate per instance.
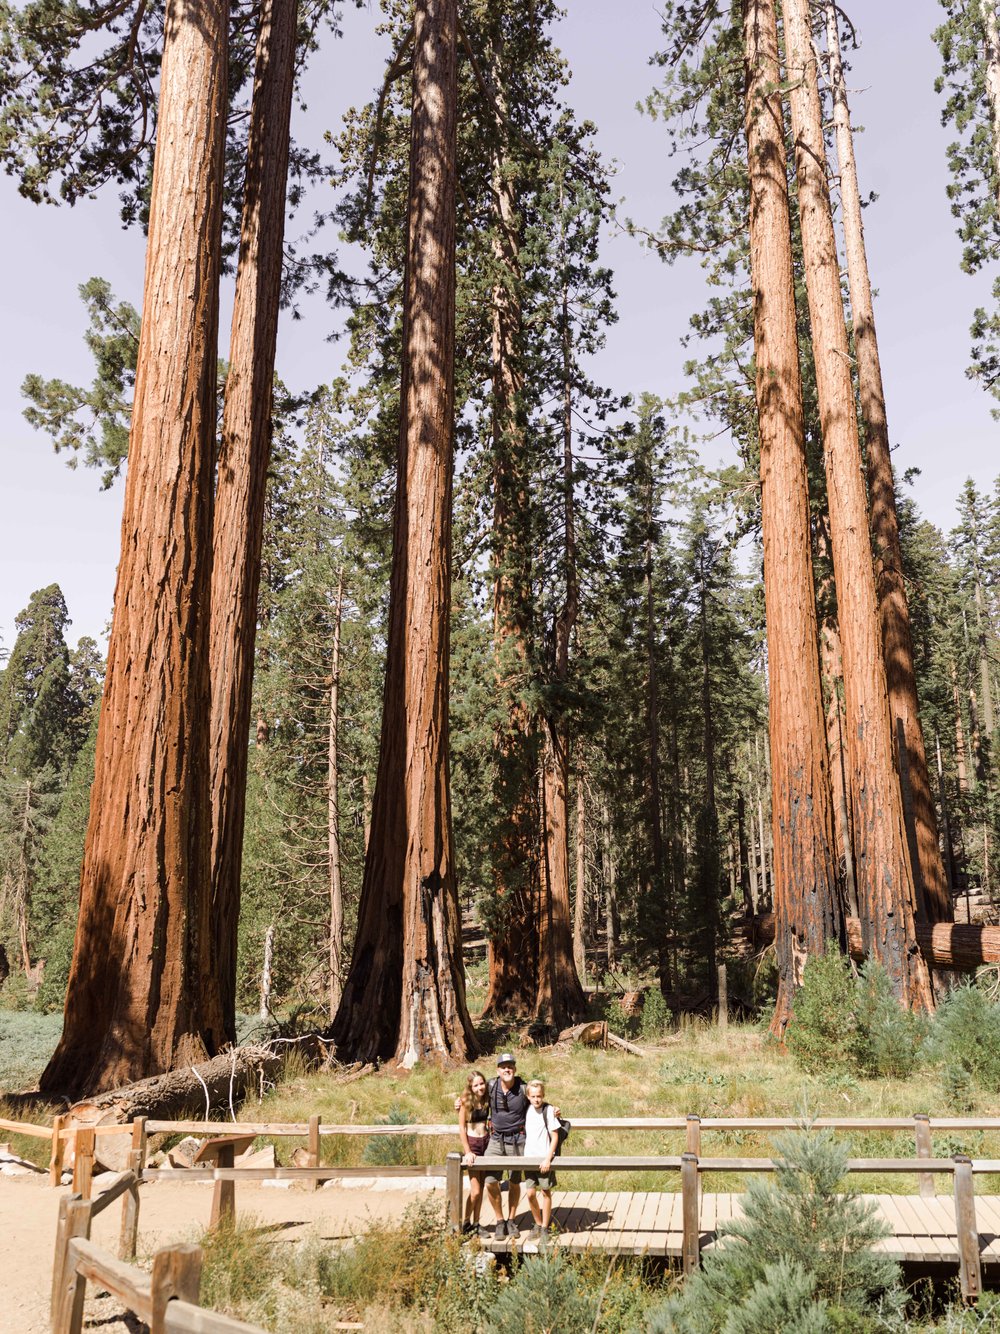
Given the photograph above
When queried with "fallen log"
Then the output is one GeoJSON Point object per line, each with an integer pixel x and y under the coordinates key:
{"type": "Point", "coordinates": [591, 1035]}
{"type": "Point", "coordinates": [615, 1041]}
{"type": "Point", "coordinates": [212, 1084]}
{"type": "Point", "coordinates": [944, 945]}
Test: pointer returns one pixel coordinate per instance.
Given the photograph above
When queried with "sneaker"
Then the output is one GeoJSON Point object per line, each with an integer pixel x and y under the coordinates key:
{"type": "Point", "coordinates": [512, 1228]}
{"type": "Point", "coordinates": [485, 1231]}
{"type": "Point", "coordinates": [468, 1227]}
{"type": "Point", "coordinates": [537, 1232]}
{"type": "Point", "coordinates": [501, 1231]}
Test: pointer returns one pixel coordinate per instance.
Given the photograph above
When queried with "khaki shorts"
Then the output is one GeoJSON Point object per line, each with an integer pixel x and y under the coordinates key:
{"type": "Point", "coordinates": [504, 1147]}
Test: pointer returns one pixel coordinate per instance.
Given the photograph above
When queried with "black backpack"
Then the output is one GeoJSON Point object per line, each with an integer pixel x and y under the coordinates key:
{"type": "Point", "coordinates": [562, 1129]}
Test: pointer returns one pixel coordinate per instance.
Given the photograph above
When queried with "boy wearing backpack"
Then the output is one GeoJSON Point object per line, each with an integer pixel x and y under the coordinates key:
{"type": "Point", "coordinates": [541, 1140]}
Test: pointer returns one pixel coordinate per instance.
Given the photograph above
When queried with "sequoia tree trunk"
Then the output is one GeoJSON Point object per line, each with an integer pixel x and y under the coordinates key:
{"type": "Point", "coordinates": [882, 865]}
{"type": "Point", "coordinates": [244, 454]}
{"type": "Point", "coordinates": [806, 902]}
{"type": "Point", "coordinates": [512, 918]}
{"type": "Point", "coordinates": [142, 995]}
{"type": "Point", "coordinates": [991, 51]}
{"type": "Point", "coordinates": [894, 612]}
{"type": "Point", "coordinates": [405, 991]}
{"type": "Point", "coordinates": [560, 996]}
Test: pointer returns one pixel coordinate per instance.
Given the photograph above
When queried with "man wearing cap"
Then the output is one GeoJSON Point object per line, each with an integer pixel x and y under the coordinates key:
{"type": "Point", "coordinates": [509, 1104]}
{"type": "Point", "coordinates": [508, 1095]}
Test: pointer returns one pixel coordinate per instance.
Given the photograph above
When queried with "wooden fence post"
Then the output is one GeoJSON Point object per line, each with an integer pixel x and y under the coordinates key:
{"type": "Point", "coordinates": [67, 1304]}
{"type": "Point", "coordinates": [723, 998]}
{"type": "Point", "coordinates": [176, 1273]}
{"type": "Point", "coordinates": [693, 1144]}
{"type": "Point", "coordinates": [224, 1194]}
{"type": "Point", "coordinates": [966, 1230]}
{"type": "Point", "coordinates": [83, 1160]}
{"type": "Point", "coordinates": [925, 1149]}
{"type": "Point", "coordinates": [691, 1247]}
{"type": "Point", "coordinates": [314, 1147]}
{"type": "Point", "coordinates": [453, 1192]}
{"type": "Point", "coordinates": [58, 1149]}
{"type": "Point", "coordinates": [129, 1235]}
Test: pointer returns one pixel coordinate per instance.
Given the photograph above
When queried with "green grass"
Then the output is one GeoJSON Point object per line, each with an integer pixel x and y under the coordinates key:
{"type": "Point", "coordinates": [740, 1073]}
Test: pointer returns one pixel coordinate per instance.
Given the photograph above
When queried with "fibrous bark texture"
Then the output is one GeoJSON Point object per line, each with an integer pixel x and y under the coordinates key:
{"type": "Point", "coordinates": [142, 995]}
{"type": "Point", "coordinates": [513, 945]}
{"type": "Point", "coordinates": [882, 864]}
{"type": "Point", "coordinates": [806, 900]}
{"type": "Point", "coordinates": [894, 613]}
{"type": "Point", "coordinates": [244, 455]}
{"type": "Point", "coordinates": [405, 992]}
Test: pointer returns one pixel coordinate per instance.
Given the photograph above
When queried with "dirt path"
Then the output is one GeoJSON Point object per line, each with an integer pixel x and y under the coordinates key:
{"type": "Point", "coordinates": [169, 1212]}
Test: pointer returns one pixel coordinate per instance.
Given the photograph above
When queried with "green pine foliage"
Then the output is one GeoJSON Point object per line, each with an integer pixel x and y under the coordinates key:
{"type": "Point", "coordinates": [965, 1040]}
{"type": "Point", "coordinates": [853, 1022]}
{"type": "Point", "coordinates": [801, 1254]}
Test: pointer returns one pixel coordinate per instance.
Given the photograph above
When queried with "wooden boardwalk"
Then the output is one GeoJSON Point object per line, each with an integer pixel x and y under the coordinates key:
{"type": "Point", "coordinates": [651, 1223]}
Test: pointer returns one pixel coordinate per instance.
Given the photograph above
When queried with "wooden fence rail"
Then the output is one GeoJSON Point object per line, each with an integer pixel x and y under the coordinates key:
{"type": "Point", "coordinates": [166, 1300]}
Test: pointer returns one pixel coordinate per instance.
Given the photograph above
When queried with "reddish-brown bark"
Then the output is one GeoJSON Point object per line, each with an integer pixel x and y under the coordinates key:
{"type": "Point", "coordinates": [142, 995]}
{"type": "Point", "coordinates": [405, 991]}
{"type": "Point", "coordinates": [894, 613]}
{"type": "Point", "coordinates": [806, 901]}
{"type": "Point", "coordinates": [882, 866]}
{"type": "Point", "coordinates": [244, 455]}
{"type": "Point", "coordinates": [515, 854]}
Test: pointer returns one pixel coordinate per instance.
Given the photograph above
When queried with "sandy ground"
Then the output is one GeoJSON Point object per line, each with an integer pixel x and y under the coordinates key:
{"type": "Point", "coordinates": [169, 1212]}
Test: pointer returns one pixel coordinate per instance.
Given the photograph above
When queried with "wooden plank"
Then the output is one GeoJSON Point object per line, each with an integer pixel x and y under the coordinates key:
{"type": "Point", "coordinates": [920, 1222]}
{"type": "Point", "coordinates": [632, 1218]}
{"type": "Point", "coordinates": [969, 1272]}
{"type": "Point", "coordinates": [183, 1318]}
{"type": "Point", "coordinates": [127, 1284]}
{"type": "Point", "coordinates": [646, 1239]}
{"type": "Point", "coordinates": [905, 1245]}
{"type": "Point", "coordinates": [57, 1151]}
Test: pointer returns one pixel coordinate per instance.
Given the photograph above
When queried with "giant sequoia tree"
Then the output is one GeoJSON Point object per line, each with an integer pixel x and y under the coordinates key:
{"type": "Point", "coordinates": [142, 993]}
{"type": "Point", "coordinates": [405, 992]}
{"type": "Point", "coordinates": [884, 877]}
{"type": "Point", "coordinates": [894, 613]}
{"type": "Point", "coordinates": [806, 899]}
{"type": "Point", "coordinates": [244, 454]}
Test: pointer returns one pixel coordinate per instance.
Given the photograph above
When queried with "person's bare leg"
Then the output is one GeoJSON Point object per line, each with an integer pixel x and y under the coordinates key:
{"type": "Point", "coordinates": [513, 1195]}
{"type": "Point", "coordinates": [475, 1202]}
{"type": "Point", "coordinates": [546, 1208]}
{"type": "Point", "coordinates": [496, 1199]}
{"type": "Point", "coordinates": [536, 1213]}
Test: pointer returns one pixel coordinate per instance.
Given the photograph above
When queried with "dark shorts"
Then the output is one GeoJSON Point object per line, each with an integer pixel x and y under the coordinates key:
{"type": "Point", "coordinates": [532, 1177]}
{"type": "Point", "coordinates": [478, 1143]}
{"type": "Point", "coordinates": [504, 1147]}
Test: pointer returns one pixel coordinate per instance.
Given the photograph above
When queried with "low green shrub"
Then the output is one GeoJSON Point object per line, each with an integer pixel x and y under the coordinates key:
{"type": "Point", "coordinates": [656, 1018]}
{"type": "Point", "coordinates": [965, 1039]}
{"type": "Point", "coordinates": [391, 1150]}
{"type": "Point", "coordinates": [799, 1259]}
{"type": "Point", "coordinates": [854, 1023]}
{"type": "Point", "coordinates": [544, 1295]}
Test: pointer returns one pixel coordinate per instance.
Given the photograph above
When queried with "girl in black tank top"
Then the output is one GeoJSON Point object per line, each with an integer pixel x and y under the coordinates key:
{"type": "Point", "coordinates": [473, 1131]}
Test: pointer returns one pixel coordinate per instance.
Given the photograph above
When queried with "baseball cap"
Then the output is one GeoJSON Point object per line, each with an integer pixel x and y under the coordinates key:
{"type": "Point", "coordinates": [505, 1059]}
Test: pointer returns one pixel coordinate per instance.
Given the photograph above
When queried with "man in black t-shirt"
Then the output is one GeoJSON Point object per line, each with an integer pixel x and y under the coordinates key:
{"type": "Point", "coordinates": [508, 1096]}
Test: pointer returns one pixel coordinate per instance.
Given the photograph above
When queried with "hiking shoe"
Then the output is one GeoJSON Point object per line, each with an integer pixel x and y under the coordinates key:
{"type": "Point", "coordinates": [512, 1228]}
{"type": "Point", "coordinates": [468, 1227]}
{"type": "Point", "coordinates": [501, 1231]}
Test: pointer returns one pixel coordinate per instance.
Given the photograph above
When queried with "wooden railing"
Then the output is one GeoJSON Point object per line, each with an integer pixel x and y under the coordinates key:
{"type": "Point", "coordinates": [166, 1300]}
{"type": "Point", "coordinates": [691, 1166]}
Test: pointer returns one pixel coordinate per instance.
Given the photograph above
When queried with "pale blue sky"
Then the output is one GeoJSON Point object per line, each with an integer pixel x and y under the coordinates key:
{"type": "Point", "coordinates": [59, 527]}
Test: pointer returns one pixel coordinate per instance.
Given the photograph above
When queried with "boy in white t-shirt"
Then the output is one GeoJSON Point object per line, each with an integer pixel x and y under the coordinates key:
{"type": "Point", "coordinates": [541, 1139]}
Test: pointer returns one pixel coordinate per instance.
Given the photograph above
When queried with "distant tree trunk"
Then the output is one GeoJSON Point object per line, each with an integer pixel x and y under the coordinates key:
{"type": "Point", "coordinates": [610, 890]}
{"type": "Point", "coordinates": [405, 992]}
{"type": "Point", "coordinates": [654, 798]}
{"type": "Point", "coordinates": [806, 900]}
{"type": "Point", "coordinates": [23, 890]}
{"type": "Point", "coordinates": [709, 860]}
{"type": "Point", "coordinates": [244, 455]}
{"type": "Point", "coordinates": [894, 613]}
{"type": "Point", "coordinates": [265, 972]}
{"type": "Point", "coordinates": [961, 757]}
{"type": "Point", "coordinates": [746, 890]}
{"type": "Point", "coordinates": [143, 995]}
{"type": "Point", "coordinates": [336, 942]}
{"type": "Point", "coordinates": [831, 669]}
{"type": "Point", "coordinates": [580, 901]}
{"type": "Point", "coordinates": [949, 852]}
{"type": "Point", "coordinates": [561, 1001]}
{"type": "Point", "coordinates": [756, 893]}
{"type": "Point", "coordinates": [885, 881]}
{"type": "Point", "coordinates": [515, 856]}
